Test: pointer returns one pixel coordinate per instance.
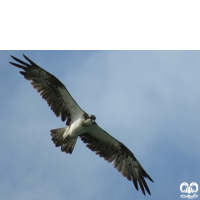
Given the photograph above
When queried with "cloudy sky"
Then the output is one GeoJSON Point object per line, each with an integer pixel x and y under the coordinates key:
{"type": "Point", "coordinates": [149, 100]}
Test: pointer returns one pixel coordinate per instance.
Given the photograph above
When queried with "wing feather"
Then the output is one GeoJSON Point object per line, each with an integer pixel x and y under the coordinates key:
{"type": "Point", "coordinates": [114, 151]}
{"type": "Point", "coordinates": [51, 89]}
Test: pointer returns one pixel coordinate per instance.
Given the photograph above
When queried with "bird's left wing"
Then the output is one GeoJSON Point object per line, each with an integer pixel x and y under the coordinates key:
{"type": "Point", "coordinates": [111, 149]}
{"type": "Point", "coordinates": [51, 89]}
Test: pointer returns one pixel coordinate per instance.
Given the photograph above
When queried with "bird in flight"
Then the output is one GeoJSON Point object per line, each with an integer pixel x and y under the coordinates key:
{"type": "Point", "coordinates": [80, 124]}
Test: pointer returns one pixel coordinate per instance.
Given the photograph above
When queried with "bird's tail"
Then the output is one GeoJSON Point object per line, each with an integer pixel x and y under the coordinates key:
{"type": "Point", "coordinates": [57, 138]}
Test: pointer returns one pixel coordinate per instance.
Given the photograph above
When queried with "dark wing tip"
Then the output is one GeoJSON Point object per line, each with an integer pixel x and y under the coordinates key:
{"type": "Point", "coordinates": [135, 183]}
{"type": "Point", "coordinates": [17, 65]}
{"type": "Point", "coordinates": [20, 61]}
{"type": "Point", "coordinates": [151, 179]}
{"type": "Point", "coordinates": [13, 57]}
{"type": "Point", "coordinates": [147, 176]}
{"type": "Point", "coordinates": [145, 185]}
{"type": "Point", "coordinates": [29, 60]}
{"type": "Point", "coordinates": [25, 57]}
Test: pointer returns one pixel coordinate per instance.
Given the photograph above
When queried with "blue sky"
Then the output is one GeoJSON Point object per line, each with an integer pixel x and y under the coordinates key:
{"type": "Point", "coordinates": [149, 100]}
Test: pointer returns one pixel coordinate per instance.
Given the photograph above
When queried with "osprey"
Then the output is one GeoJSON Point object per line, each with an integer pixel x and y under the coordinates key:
{"type": "Point", "coordinates": [80, 124]}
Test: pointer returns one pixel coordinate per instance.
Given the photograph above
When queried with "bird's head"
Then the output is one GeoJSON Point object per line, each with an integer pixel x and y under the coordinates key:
{"type": "Point", "coordinates": [90, 119]}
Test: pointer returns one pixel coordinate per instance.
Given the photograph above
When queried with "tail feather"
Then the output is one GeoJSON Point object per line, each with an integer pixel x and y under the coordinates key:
{"type": "Point", "coordinates": [66, 145]}
{"type": "Point", "coordinates": [57, 136]}
{"type": "Point", "coordinates": [69, 146]}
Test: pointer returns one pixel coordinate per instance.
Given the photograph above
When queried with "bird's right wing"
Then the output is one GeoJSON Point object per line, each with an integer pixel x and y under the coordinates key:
{"type": "Point", "coordinates": [52, 90]}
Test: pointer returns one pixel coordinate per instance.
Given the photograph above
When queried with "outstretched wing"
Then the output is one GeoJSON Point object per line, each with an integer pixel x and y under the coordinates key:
{"type": "Point", "coordinates": [112, 150]}
{"type": "Point", "coordinates": [51, 89]}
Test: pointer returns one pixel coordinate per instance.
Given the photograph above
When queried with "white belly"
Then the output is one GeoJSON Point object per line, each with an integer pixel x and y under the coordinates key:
{"type": "Point", "coordinates": [77, 128]}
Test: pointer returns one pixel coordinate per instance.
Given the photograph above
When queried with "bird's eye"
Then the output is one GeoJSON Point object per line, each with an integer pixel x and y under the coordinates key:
{"type": "Point", "coordinates": [93, 117]}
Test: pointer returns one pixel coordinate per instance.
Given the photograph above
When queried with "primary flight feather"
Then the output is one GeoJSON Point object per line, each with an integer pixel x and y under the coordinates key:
{"type": "Point", "coordinates": [80, 124]}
